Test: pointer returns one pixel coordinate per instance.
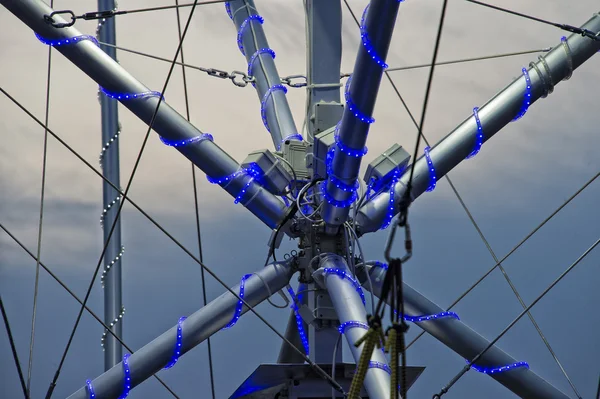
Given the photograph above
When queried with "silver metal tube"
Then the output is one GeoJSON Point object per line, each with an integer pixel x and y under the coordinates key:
{"type": "Point", "coordinates": [349, 307]}
{"type": "Point", "coordinates": [199, 326]}
{"type": "Point", "coordinates": [99, 66]}
{"type": "Point", "coordinates": [494, 115]}
{"type": "Point", "coordinates": [277, 110]}
{"type": "Point", "coordinates": [111, 170]}
{"type": "Point", "coordinates": [467, 343]}
{"type": "Point", "coordinates": [324, 55]}
{"type": "Point", "coordinates": [366, 78]}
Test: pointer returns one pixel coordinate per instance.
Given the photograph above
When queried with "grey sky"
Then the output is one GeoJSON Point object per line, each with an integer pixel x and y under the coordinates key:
{"type": "Point", "coordinates": [518, 178]}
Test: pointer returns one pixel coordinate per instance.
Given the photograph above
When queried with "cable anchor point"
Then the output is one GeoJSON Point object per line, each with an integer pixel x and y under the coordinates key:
{"type": "Point", "coordinates": [49, 19]}
{"type": "Point", "coordinates": [238, 78]}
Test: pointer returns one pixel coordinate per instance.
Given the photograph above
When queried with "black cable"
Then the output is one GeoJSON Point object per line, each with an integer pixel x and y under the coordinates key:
{"type": "Point", "coordinates": [425, 102]}
{"type": "Point", "coordinates": [13, 349]}
{"type": "Point", "coordinates": [63, 285]}
{"type": "Point", "coordinates": [197, 210]}
{"type": "Point", "coordinates": [122, 203]}
{"type": "Point", "coordinates": [311, 363]}
{"type": "Point", "coordinates": [598, 391]}
{"type": "Point", "coordinates": [535, 301]}
{"type": "Point", "coordinates": [41, 219]}
{"type": "Point", "coordinates": [565, 27]}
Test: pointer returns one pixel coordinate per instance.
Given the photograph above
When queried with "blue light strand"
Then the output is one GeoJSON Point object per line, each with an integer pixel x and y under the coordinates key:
{"type": "Point", "coordinates": [293, 136]}
{"type": "Point", "coordinates": [337, 203]}
{"type": "Point", "coordinates": [90, 389]}
{"type": "Point", "coordinates": [127, 379]}
{"type": "Point", "coordinates": [419, 319]}
{"type": "Point", "coordinates": [344, 275]}
{"type": "Point", "coordinates": [181, 143]}
{"type": "Point", "coordinates": [255, 56]}
{"type": "Point", "coordinates": [131, 96]}
{"type": "Point", "coordinates": [299, 321]}
{"type": "Point", "coordinates": [526, 97]}
{"type": "Point", "coordinates": [349, 188]}
{"type": "Point", "coordinates": [240, 304]}
{"type": "Point", "coordinates": [381, 366]}
{"type": "Point", "coordinates": [352, 324]}
{"type": "Point", "coordinates": [351, 152]}
{"type": "Point", "coordinates": [253, 170]}
{"type": "Point", "coordinates": [228, 9]}
{"type": "Point", "coordinates": [496, 370]}
{"type": "Point", "coordinates": [479, 135]}
{"type": "Point", "coordinates": [67, 41]}
{"type": "Point", "coordinates": [367, 42]}
{"type": "Point", "coordinates": [432, 174]}
{"type": "Point", "coordinates": [243, 26]}
{"type": "Point", "coordinates": [352, 106]}
{"type": "Point", "coordinates": [263, 103]}
{"type": "Point", "coordinates": [178, 343]}
{"type": "Point", "coordinates": [389, 215]}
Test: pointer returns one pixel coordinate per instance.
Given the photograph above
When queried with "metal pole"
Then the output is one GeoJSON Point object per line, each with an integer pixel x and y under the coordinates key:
{"type": "Point", "coordinates": [467, 343]}
{"type": "Point", "coordinates": [199, 326]}
{"type": "Point", "coordinates": [170, 125]}
{"type": "Point", "coordinates": [556, 66]}
{"type": "Point", "coordinates": [376, 34]}
{"type": "Point", "coordinates": [113, 305]}
{"type": "Point", "coordinates": [349, 307]}
{"type": "Point", "coordinates": [324, 57]}
{"type": "Point", "coordinates": [261, 64]}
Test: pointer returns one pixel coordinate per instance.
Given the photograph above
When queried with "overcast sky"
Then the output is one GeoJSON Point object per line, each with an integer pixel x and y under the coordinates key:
{"type": "Point", "coordinates": [518, 178]}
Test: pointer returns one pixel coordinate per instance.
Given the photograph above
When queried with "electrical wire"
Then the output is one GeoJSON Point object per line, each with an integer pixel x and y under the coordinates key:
{"type": "Point", "coordinates": [536, 300]}
{"type": "Point", "coordinates": [514, 249]}
{"type": "Point", "coordinates": [333, 362]}
{"type": "Point", "coordinates": [196, 206]}
{"type": "Point", "coordinates": [119, 210]}
{"type": "Point", "coordinates": [41, 221]}
{"type": "Point", "coordinates": [13, 348]}
{"type": "Point", "coordinates": [63, 285]}
{"type": "Point", "coordinates": [312, 364]}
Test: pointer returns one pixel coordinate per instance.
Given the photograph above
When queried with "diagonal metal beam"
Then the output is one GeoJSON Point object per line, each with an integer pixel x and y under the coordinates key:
{"type": "Point", "coordinates": [169, 124]}
{"type": "Point", "coordinates": [361, 92]}
{"type": "Point", "coordinates": [556, 66]}
{"type": "Point", "coordinates": [253, 43]}
{"type": "Point", "coordinates": [205, 322]}
{"type": "Point", "coordinates": [464, 341]}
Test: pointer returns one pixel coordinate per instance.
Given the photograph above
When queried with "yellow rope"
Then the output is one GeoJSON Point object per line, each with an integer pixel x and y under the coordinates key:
{"type": "Point", "coordinates": [371, 339]}
{"type": "Point", "coordinates": [392, 348]}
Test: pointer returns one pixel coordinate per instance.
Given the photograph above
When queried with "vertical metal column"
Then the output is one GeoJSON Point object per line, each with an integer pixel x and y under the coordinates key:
{"type": "Point", "coordinates": [110, 169]}
{"type": "Point", "coordinates": [323, 57]}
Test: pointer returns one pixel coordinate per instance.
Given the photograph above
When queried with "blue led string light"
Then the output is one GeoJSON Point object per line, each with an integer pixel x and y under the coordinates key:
{"type": "Point", "coordinates": [263, 103]}
{"type": "Point", "coordinates": [337, 203]}
{"type": "Point", "coordinates": [255, 56]}
{"type": "Point", "coordinates": [367, 42]}
{"type": "Point", "coordinates": [344, 275]}
{"type": "Point", "coordinates": [178, 343]}
{"type": "Point", "coordinates": [351, 152]}
{"type": "Point", "coordinates": [131, 96]}
{"type": "Point", "coordinates": [526, 97]}
{"type": "Point", "coordinates": [381, 366]}
{"type": "Point", "coordinates": [352, 324]}
{"type": "Point", "coordinates": [240, 304]}
{"type": "Point", "coordinates": [479, 135]}
{"type": "Point", "coordinates": [181, 143]}
{"type": "Point", "coordinates": [67, 41]}
{"type": "Point", "coordinates": [127, 377]}
{"type": "Point", "coordinates": [90, 389]}
{"type": "Point", "coordinates": [228, 9]}
{"type": "Point", "coordinates": [299, 321]}
{"type": "Point", "coordinates": [496, 370]}
{"type": "Point", "coordinates": [243, 26]}
{"type": "Point", "coordinates": [389, 215]}
{"type": "Point", "coordinates": [432, 174]}
{"type": "Point", "coordinates": [352, 106]}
